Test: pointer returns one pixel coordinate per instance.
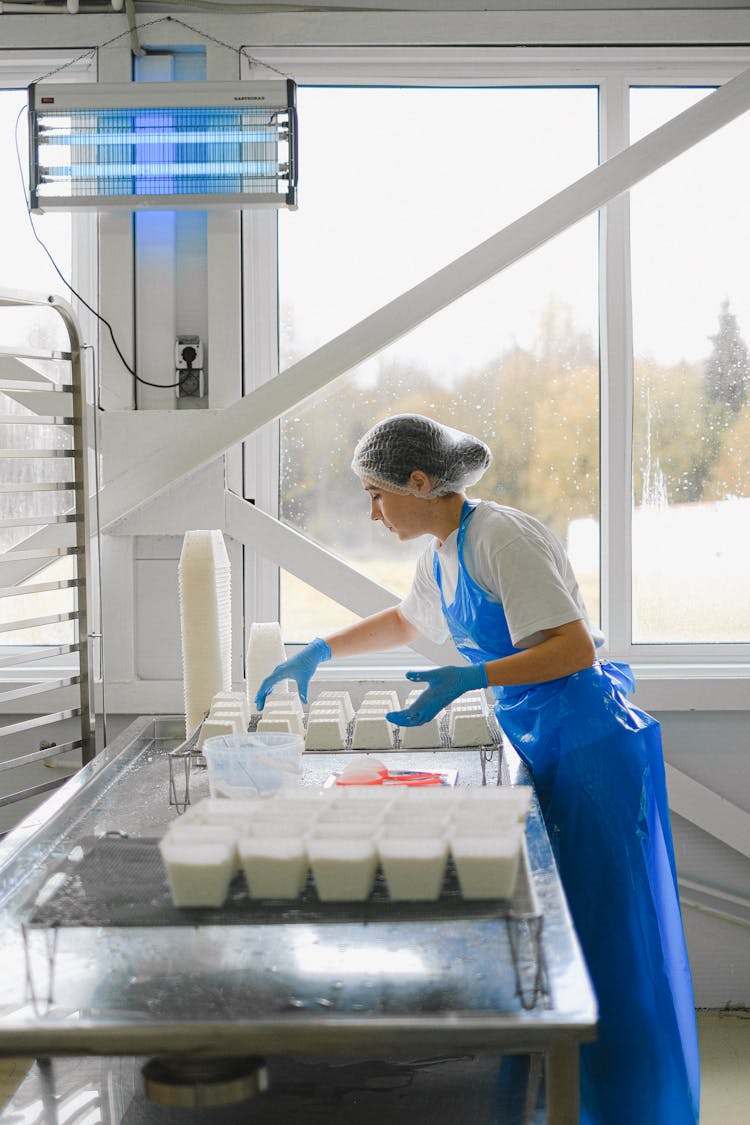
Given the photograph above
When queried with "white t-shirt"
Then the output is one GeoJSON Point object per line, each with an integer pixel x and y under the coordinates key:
{"type": "Point", "coordinates": [517, 561]}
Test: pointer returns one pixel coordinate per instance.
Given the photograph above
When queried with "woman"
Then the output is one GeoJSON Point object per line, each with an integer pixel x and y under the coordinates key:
{"type": "Point", "coordinates": [500, 584]}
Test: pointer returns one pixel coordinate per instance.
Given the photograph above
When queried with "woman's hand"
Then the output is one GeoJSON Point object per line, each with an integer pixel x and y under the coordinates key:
{"type": "Point", "coordinates": [300, 668]}
{"type": "Point", "coordinates": [445, 685]}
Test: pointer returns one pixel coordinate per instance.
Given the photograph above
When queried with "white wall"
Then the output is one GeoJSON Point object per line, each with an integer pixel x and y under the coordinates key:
{"type": "Point", "coordinates": [712, 748]}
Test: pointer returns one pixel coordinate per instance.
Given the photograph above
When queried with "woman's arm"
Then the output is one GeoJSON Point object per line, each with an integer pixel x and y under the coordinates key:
{"type": "Point", "coordinates": [388, 629]}
{"type": "Point", "coordinates": [565, 649]}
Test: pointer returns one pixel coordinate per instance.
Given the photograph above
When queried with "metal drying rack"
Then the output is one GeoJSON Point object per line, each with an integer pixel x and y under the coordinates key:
{"type": "Point", "coordinates": [182, 759]}
{"type": "Point", "coordinates": [79, 892]}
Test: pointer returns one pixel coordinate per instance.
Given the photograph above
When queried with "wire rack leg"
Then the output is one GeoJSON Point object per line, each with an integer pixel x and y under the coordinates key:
{"type": "Point", "coordinates": [41, 998]}
{"type": "Point", "coordinates": [179, 799]}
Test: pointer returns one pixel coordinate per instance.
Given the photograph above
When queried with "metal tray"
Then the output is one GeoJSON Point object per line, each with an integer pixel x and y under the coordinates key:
{"type": "Point", "coordinates": [120, 881]}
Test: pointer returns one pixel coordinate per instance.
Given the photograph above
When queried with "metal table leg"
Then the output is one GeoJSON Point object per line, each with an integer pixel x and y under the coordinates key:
{"type": "Point", "coordinates": [562, 1084]}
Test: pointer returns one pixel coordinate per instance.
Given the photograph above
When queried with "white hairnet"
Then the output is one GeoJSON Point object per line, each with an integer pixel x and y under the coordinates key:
{"type": "Point", "coordinates": [393, 449]}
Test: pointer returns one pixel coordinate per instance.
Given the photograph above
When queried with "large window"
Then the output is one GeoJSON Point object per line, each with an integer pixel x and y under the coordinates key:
{"type": "Point", "coordinates": [397, 183]}
{"type": "Point", "coordinates": [691, 330]}
{"type": "Point", "coordinates": [23, 263]}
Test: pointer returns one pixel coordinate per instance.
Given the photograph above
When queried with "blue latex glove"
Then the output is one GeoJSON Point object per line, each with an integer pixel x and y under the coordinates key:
{"type": "Point", "coordinates": [300, 668]}
{"type": "Point", "coordinates": [445, 685]}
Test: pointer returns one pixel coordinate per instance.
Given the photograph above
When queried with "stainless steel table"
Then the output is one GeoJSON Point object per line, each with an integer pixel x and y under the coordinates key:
{"type": "Point", "coordinates": [342, 990]}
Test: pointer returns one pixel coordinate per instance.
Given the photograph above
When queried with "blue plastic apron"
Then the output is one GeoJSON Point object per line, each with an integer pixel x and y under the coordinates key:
{"type": "Point", "coordinates": [598, 770]}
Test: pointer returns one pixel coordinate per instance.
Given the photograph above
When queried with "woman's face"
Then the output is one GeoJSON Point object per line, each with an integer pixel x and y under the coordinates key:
{"type": "Point", "coordinates": [404, 514]}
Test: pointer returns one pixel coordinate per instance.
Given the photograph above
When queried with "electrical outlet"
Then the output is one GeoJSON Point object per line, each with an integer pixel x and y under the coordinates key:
{"type": "Point", "coordinates": [189, 367]}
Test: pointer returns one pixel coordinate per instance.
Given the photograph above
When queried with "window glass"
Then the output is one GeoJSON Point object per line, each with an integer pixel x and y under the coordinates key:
{"type": "Point", "coordinates": [23, 263]}
{"type": "Point", "coordinates": [319, 613]}
{"type": "Point", "coordinates": [395, 184]}
{"type": "Point", "coordinates": [690, 229]}
{"type": "Point", "coordinates": [25, 266]}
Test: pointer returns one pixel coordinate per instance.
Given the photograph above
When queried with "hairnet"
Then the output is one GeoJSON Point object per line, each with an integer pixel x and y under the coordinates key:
{"type": "Point", "coordinates": [393, 449]}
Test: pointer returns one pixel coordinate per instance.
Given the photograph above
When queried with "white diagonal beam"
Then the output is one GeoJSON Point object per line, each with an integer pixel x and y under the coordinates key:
{"type": "Point", "coordinates": [301, 557]}
{"type": "Point", "coordinates": [15, 367]}
{"type": "Point", "coordinates": [156, 471]}
{"type": "Point", "coordinates": [52, 403]}
{"type": "Point", "coordinates": [711, 812]}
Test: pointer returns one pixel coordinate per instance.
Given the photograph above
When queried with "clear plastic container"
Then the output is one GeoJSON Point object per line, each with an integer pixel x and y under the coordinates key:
{"type": "Point", "coordinates": [249, 765]}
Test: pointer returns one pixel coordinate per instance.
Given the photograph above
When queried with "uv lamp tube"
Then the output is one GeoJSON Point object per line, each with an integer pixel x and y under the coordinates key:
{"type": "Point", "coordinates": [108, 171]}
{"type": "Point", "coordinates": [176, 137]}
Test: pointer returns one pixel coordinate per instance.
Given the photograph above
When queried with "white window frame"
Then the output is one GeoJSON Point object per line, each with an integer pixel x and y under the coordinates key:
{"type": "Point", "coordinates": [613, 71]}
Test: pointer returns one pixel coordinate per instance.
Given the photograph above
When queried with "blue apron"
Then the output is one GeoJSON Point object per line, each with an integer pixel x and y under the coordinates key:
{"type": "Point", "coordinates": [598, 770]}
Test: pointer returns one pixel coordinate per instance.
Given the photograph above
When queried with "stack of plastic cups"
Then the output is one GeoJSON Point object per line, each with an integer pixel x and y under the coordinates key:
{"type": "Point", "coordinates": [205, 588]}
